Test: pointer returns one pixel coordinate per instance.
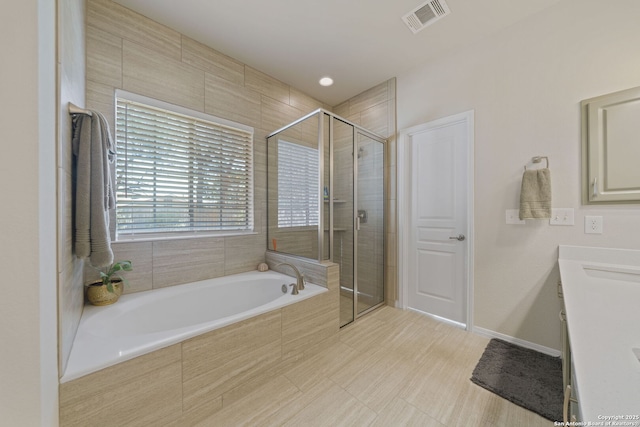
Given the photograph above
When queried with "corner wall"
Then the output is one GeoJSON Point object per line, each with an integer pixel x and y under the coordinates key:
{"type": "Point", "coordinates": [28, 371]}
{"type": "Point", "coordinates": [525, 84]}
{"type": "Point", "coordinates": [71, 75]}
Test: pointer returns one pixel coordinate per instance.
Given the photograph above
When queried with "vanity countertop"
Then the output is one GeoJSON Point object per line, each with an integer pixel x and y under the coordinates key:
{"type": "Point", "coordinates": [601, 289]}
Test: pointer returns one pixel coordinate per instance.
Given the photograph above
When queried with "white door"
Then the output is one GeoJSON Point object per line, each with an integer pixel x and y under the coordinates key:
{"type": "Point", "coordinates": [437, 218]}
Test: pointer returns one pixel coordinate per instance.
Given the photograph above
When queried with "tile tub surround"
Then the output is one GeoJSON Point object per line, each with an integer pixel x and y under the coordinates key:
{"type": "Point", "coordinates": [147, 321]}
{"type": "Point", "coordinates": [192, 380]}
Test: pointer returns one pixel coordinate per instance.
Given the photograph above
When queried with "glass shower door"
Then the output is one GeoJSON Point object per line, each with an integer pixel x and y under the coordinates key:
{"type": "Point", "coordinates": [343, 214]}
{"type": "Point", "coordinates": [369, 223]}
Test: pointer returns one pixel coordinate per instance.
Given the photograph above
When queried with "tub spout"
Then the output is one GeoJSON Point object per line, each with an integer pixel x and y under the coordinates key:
{"type": "Point", "coordinates": [299, 278]}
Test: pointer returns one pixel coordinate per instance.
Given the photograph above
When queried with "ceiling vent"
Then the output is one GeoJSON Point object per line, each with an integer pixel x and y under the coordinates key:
{"type": "Point", "coordinates": [425, 15]}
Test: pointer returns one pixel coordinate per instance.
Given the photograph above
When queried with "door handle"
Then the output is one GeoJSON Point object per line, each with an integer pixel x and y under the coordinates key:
{"type": "Point", "coordinates": [595, 187]}
{"type": "Point", "coordinates": [459, 237]}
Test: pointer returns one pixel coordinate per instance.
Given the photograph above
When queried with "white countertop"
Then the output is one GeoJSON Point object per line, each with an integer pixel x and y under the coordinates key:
{"type": "Point", "coordinates": [601, 290]}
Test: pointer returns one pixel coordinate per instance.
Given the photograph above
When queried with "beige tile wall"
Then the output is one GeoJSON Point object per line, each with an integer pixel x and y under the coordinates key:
{"type": "Point", "coordinates": [128, 51]}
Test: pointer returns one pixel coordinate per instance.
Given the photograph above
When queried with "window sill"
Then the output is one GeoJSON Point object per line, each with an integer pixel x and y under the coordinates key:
{"type": "Point", "coordinates": [182, 236]}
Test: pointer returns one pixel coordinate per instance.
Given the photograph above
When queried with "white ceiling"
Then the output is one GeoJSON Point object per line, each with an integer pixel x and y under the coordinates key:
{"type": "Point", "coordinates": [359, 43]}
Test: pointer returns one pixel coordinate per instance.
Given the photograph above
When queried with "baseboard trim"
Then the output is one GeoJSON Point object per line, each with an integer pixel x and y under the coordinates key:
{"type": "Point", "coordinates": [458, 325]}
{"type": "Point", "coordinates": [526, 344]}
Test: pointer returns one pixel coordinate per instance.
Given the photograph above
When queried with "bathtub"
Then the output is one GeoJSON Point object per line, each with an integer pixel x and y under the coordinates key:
{"type": "Point", "coordinates": [142, 322]}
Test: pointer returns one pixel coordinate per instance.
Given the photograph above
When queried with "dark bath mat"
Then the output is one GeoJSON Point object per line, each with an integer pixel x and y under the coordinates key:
{"type": "Point", "coordinates": [525, 377]}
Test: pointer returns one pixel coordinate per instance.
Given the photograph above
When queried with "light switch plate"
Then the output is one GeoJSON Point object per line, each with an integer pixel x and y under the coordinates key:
{"type": "Point", "coordinates": [513, 217]}
{"type": "Point", "coordinates": [562, 216]}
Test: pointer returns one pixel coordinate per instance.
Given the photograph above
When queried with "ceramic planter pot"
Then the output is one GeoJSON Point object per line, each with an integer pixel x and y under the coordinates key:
{"type": "Point", "coordinates": [98, 294]}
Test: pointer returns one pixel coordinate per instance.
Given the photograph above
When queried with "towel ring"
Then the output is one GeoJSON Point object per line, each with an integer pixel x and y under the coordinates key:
{"type": "Point", "coordinates": [538, 159]}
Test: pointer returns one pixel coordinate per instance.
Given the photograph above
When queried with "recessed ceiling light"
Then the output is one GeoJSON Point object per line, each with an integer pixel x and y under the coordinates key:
{"type": "Point", "coordinates": [326, 81]}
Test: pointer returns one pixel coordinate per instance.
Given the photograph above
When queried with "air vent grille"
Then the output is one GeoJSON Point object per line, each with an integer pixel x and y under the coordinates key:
{"type": "Point", "coordinates": [426, 14]}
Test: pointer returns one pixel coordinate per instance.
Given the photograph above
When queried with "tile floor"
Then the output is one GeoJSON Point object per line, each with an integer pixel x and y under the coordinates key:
{"type": "Point", "coordinates": [391, 368]}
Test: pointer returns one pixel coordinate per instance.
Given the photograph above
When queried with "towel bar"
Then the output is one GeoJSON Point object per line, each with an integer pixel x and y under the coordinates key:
{"type": "Point", "coordinates": [74, 109]}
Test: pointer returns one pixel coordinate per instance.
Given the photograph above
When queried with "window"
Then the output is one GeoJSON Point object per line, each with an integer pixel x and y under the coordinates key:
{"type": "Point", "coordinates": [180, 171]}
{"type": "Point", "coordinates": [298, 177]}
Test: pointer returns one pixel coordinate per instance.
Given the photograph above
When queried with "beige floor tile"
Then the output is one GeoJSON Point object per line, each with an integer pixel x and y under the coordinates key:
{"type": "Point", "coordinates": [400, 413]}
{"type": "Point", "coordinates": [298, 404]}
{"type": "Point", "coordinates": [411, 340]}
{"type": "Point", "coordinates": [382, 380]}
{"type": "Point", "coordinates": [308, 373]}
{"type": "Point", "coordinates": [479, 407]}
{"type": "Point", "coordinates": [336, 408]}
{"type": "Point", "coordinates": [434, 389]}
{"type": "Point", "coordinates": [355, 367]}
{"type": "Point", "coordinates": [366, 334]}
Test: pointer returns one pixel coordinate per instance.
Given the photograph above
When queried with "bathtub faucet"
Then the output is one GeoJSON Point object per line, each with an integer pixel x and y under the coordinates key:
{"type": "Point", "coordinates": [299, 277]}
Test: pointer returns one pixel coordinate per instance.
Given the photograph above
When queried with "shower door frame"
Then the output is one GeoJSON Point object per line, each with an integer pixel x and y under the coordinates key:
{"type": "Point", "coordinates": [357, 130]}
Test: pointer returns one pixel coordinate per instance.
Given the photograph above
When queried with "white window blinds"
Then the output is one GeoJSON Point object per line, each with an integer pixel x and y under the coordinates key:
{"type": "Point", "coordinates": [298, 177]}
{"type": "Point", "coordinates": [180, 174]}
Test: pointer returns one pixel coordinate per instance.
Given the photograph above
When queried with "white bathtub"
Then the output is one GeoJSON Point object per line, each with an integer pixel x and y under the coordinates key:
{"type": "Point", "coordinates": [142, 322]}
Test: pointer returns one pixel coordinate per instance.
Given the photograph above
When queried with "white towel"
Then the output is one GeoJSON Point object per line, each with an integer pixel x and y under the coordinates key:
{"type": "Point", "coordinates": [95, 152]}
{"type": "Point", "coordinates": [535, 194]}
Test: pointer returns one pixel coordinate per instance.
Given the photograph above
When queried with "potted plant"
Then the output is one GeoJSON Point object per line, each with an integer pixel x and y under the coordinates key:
{"type": "Point", "coordinates": [108, 289]}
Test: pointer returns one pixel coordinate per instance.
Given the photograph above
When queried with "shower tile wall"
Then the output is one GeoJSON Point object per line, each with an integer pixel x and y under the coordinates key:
{"type": "Point", "coordinates": [125, 50]}
{"type": "Point", "coordinates": [375, 109]}
{"type": "Point", "coordinates": [371, 234]}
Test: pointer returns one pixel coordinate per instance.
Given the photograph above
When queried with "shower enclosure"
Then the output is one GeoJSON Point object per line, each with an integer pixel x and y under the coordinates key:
{"type": "Point", "coordinates": [325, 200]}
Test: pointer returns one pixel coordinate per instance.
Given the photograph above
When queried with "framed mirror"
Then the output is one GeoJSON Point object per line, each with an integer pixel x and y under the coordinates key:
{"type": "Point", "coordinates": [611, 148]}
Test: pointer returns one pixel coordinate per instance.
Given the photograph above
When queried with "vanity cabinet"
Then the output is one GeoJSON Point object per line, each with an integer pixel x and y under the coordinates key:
{"type": "Point", "coordinates": [570, 408]}
{"type": "Point", "coordinates": [601, 290]}
{"type": "Point", "coordinates": [611, 148]}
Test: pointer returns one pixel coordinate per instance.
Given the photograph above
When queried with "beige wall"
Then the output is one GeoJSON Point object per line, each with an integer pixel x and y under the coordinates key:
{"type": "Point", "coordinates": [525, 85]}
{"type": "Point", "coordinates": [28, 370]}
{"type": "Point", "coordinates": [71, 58]}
